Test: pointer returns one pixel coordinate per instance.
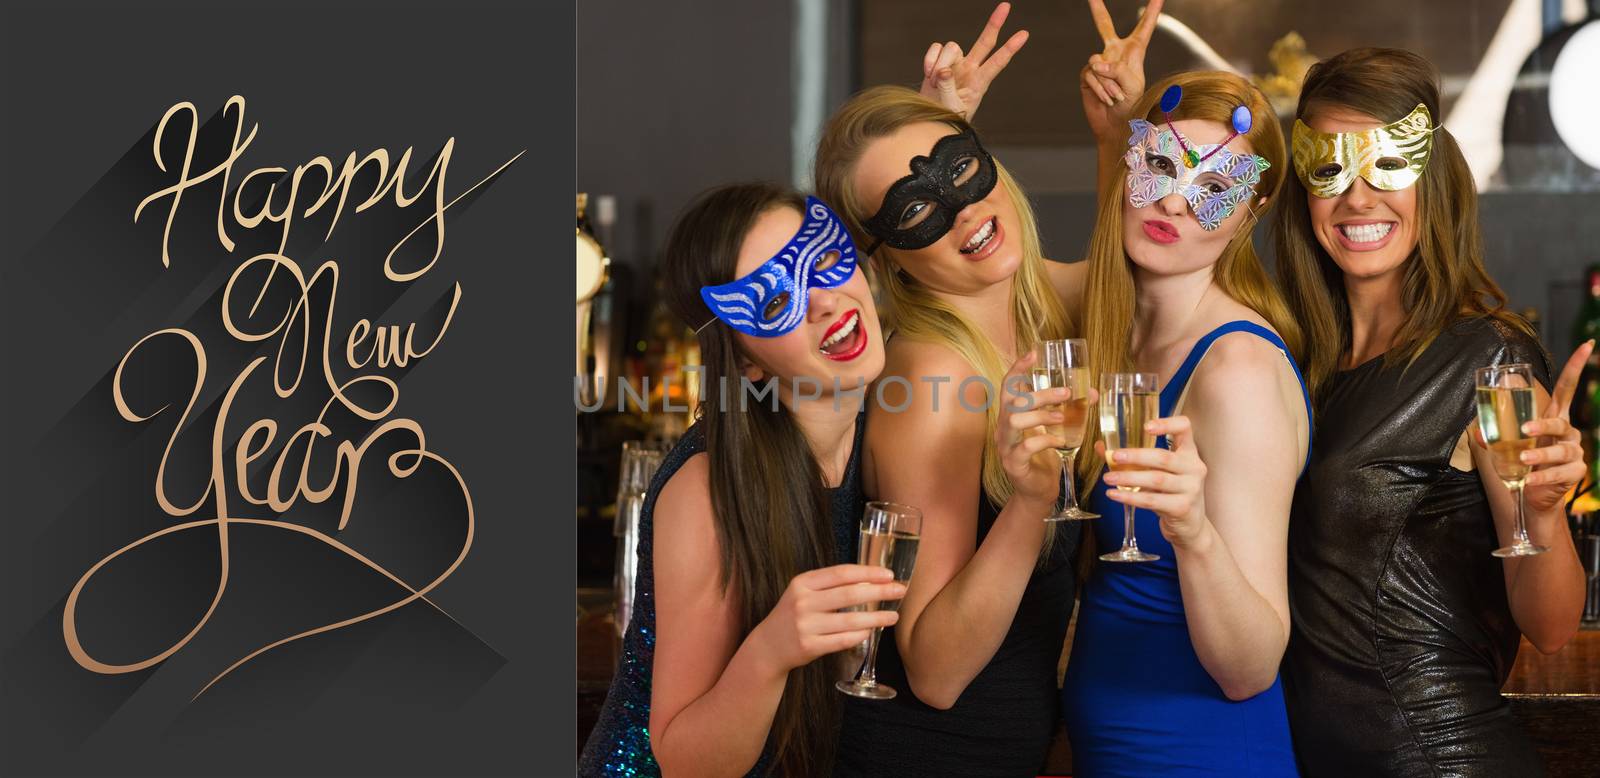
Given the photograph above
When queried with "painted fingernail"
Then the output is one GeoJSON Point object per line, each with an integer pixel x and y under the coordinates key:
{"type": "Point", "coordinates": [1527, 429]}
{"type": "Point", "coordinates": [1527, 457]}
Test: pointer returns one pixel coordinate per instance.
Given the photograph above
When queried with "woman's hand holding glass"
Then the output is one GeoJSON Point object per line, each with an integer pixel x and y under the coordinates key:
{"type": "Point", "coordinates": [1170, 482]}
{"type": "Point", "coordinates": [1022, 445]}
{"type": "Point", "coordinates": [1558, 465]}
{"type": "Point", "coordinates": [812, 619]}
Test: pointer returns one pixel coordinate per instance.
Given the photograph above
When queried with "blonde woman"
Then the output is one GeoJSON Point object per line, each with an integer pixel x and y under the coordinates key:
{"type": "Point", "coordinates": [955, 250]}
{"type": "Point", "coordinates": [956, 253]}
{"type": "Point", "coordinates": [1174, 665]}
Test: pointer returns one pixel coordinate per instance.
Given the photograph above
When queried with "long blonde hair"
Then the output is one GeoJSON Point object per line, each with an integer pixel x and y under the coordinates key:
{"type": "Point", "coordinates": [1238, 272]}
{"type": "Point", "coordinates": [1444, 277]}
{"type": "Point", "coordinates": [911, 309]}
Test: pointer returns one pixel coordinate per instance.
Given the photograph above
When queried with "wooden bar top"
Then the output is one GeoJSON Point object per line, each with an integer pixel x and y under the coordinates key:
{"type": "Point", "coordinates": [1572, 671]}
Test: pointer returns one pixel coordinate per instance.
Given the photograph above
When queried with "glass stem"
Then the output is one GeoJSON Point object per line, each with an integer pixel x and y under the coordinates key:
{"type": "Point", "coordinates": [1522, 526]}
{"type": "Point", "coordinates": [1129, 541]}
{"type": "Point", "coordinates": [868, 675]}
{"type": "Point", "coordinates": [1069, 497]}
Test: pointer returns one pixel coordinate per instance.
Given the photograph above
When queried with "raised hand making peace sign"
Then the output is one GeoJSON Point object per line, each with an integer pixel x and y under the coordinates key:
{"type": "Point", "coordinates": [1113, 79]}
{"type": "Point", "coordinates": [958, 81]}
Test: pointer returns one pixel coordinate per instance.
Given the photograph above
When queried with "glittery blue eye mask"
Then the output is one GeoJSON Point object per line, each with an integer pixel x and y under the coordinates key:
{"type": "Point", "coordinates": [1161, 162]}
{"type": "Point", "coordinates": [771, 300]}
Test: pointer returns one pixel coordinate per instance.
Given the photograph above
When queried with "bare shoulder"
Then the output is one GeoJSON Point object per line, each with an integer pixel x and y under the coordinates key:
{"type": "Point", "coordinates": [1240, 370]}
{"type": "Point", "coordinates": [908, 357]}
{"type": "Point", "coordinates": [682, 516]}
{"type": "Point", "coordinates": [927, 393]}
{"type": "Point", "coordinates": [1068, 279]}
{"type": "Point", "coordinates": [1243, 350]}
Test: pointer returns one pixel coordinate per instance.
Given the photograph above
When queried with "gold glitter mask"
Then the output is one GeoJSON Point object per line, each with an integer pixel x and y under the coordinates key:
{"type": "Point", "coordinates": [1390, 157]}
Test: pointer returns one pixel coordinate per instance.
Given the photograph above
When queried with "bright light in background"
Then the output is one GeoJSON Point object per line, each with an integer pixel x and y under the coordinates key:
{"type": "Point", "coordinates": [1574, 101]}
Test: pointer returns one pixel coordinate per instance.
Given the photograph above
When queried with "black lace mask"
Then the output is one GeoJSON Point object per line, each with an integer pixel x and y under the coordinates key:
{"type": "Point", "coordinates": [933, 185]}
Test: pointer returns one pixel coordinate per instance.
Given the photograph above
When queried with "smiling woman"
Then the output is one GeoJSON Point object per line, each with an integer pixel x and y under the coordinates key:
{"type": "Point", "coordinates": [727, 665]}
{"type": "Point", "coordinates": [956, 253]}
{"type": "Point", "coordinates": [1405, 626]}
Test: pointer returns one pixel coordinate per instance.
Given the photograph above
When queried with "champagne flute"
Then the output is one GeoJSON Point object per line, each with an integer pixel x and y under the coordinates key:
{"type": "Point", "coordinates": [1505, 403]}
{"type": "Point", "coordinates": [890, 533]}
{"type": "Point", "coordinates": [1066, 365]}
{"type": "Point", "coordinates": [1128, 401]}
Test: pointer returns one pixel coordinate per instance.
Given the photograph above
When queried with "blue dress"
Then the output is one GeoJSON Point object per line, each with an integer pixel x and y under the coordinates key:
{"type": "Point", "coordinates": [1136, 700]}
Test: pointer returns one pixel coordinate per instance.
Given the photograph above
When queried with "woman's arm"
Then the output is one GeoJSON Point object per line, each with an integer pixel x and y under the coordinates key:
{"type": "Point", "coordinates": [713, 695]}
{"type": "Point", "coordinates": [1546, 592]}
{"type": "Point", "coordinates": [959, 80]}
{"type": "Point", "coordinates": [963, 596]}
{"type": "Point", "coordinates": [1228, 517]}
{"type": "Point", "coordinates": [1109, 84]}
{"type": "Point", "coordinates": [1112, 81]}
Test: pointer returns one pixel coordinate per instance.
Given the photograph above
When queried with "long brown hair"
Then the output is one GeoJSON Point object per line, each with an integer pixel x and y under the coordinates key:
{"type": "Point", "coordinates": [911, 309]}
{"type": "Point", "coordinates": [1109, 289]}
{"type": "Point", "coordinates": [1444, 278]}
{"type": "Point", "coordinates": [767, 491]}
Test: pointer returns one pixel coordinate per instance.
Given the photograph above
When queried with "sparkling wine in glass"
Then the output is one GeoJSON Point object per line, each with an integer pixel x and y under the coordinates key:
{"type": "Point", "coordinates": [1128, 401]}
{"type": "Point", "coordinates": [1505, 403]}
{"type": "Point", "coordinates": [1066, 365]}
{"type": "Point", "coordinates": [889, 536]}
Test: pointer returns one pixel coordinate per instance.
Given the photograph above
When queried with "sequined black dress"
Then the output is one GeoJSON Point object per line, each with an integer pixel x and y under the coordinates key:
{"type": "Point", "coordinates": [620, 742]}
{"type": "Point", "coordinates": [1401, 631]}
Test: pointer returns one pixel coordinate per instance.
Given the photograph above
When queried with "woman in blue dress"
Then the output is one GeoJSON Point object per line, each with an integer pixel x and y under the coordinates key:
{"type": "Point", "coordinates": [1174, 665]}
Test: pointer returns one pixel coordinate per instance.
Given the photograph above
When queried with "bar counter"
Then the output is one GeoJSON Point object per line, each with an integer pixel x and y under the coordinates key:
{"type": "Point", "coordinates": [1556, 697]}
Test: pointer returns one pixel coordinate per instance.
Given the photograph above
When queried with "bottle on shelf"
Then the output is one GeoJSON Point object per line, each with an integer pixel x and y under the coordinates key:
{"type": "Point", "coordinates": [1585, 410]}
{"type": "Point", "coordinates": [591, 274]}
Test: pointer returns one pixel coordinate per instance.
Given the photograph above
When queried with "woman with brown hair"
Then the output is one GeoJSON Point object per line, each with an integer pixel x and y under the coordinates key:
{"type": "Point", "coordinates": [745, 587]}
{"type": "Point", "coordinates": [748, 527]}
{"type": "Point", "coordinates": [1405, 625]}
{"type": "Point", "coordinates": [1174, 665]}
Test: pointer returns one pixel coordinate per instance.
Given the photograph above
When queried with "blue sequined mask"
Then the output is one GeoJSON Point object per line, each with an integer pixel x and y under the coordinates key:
{"type": "Point", "coordinates": [771, 300]}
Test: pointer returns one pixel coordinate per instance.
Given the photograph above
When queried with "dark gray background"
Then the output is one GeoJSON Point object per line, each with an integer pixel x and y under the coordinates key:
{"type": "Point", "coordinates": [486, 690]}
